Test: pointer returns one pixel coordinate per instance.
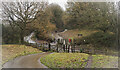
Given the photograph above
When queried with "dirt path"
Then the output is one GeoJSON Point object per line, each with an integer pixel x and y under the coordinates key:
{"type": "Point", "coordinates": [89, 63]}
{"type": "Point", "coordinates": [112, 63]}
{"type": "Point", "coordinates": [28, 61]}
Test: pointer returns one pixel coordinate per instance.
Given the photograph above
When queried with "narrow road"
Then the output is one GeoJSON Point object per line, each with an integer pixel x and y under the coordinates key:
{"type": "Point", "coordinates": [28, 38]}
{"type": "Point", "coordinates": [28, 61]}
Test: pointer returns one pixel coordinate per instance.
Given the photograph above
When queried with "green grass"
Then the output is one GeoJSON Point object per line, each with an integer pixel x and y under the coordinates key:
{"type": "Point", "coordinates": [103, 61]}
{"type": "Point", "coordinates": [65, 60]}
{"type": "Point", "coordinates": [78, 60]}
{"type": "Point", "coordinates": [11, 51]}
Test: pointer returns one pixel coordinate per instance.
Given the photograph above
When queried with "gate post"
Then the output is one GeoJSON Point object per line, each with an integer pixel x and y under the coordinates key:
{"type": "Point", "coordinates": [64, 45]}
{"type": "Point", "coordinates": [74, 44]}
{"type": "Point", "coordinates": [69, 44]}
{"type": "Point", "coordinates": [68, 48]}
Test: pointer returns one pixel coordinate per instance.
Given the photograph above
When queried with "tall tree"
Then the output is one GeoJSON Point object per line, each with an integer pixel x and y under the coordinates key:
{"type": "Point", "coordinates": [56, 13]}
{"type": "Point", "coordinates": [20, 14]}
{"type": "Point", "coordinates": [91, 14]}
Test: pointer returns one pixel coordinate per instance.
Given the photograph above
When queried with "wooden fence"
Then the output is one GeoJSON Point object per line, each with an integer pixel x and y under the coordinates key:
{"type": "Point", "coordinates": [67, 47]}
{"type": "Point", "coordinates": [58, 47]}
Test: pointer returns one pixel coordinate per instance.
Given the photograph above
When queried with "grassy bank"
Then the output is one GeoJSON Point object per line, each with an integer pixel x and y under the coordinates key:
{"type": "Point", "coordinates": [65, 60]}
{"type": "Point", "coordinates": [11, 51]}
{"type": "Point", "coordinates": [102, 61]}
{"type": "Point", "coordinates": [92, 40]}
{"type": "Point", "coordinates": [79, 60]}
{"type": "Point", "coordinates": [74, 33]}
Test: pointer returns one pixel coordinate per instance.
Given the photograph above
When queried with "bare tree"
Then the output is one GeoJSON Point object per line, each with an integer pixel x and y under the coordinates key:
{"type": "Point", "coordinates": [20, 14]}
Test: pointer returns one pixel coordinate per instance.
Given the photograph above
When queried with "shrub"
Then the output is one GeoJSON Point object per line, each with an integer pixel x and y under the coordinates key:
{"type": "Point", "coordinates": [98, 39]}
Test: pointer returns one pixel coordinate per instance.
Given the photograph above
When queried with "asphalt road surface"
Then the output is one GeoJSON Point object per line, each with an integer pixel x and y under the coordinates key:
{"type": "Point", "coordinates": [28, 61]}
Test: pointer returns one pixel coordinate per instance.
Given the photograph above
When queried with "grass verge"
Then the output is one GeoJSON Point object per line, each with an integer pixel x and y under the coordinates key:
{"type": "Point", "coordinates": [11, 51]}
{"type": "Point", "coordinates": [79, 60]}
{"type": "Point", "coordinates": [103, 61]}
{"type": "Point", "coordinates": [65, 60]}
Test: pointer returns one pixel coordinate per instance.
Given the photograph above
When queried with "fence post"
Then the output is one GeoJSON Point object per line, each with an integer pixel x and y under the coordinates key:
{"type": "Point", "coordinates": [58, 44]}
{"type": "Point", "coordinates": [69, 44]}
{"type": "Point", "coordinates": [39, 46]}
{"type": "Point", "coordinates": [72, 48]}
{"type": "Point", "coordinates": [49, 46]}
{"type": "Point", "coordinates": [43, 46]}
{"type": "Point", "coordinates": [74, 42]}
{"type": "Point", "coordinates": [57, 47]}
{"type": "Point", "coordinates": [36, 45]}
{"type": "Point", "coordinates": [66, 46]}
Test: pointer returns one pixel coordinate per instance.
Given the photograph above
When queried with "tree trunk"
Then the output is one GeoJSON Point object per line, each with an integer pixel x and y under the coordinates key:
{"type": "Point", "coordinates": [104, 31]}
{"type": "Point", "coordinates": [22, 37]}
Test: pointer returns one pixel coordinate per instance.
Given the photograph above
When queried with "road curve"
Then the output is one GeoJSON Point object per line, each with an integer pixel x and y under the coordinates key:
{"type": "Point", "coordinates": [28, 61]}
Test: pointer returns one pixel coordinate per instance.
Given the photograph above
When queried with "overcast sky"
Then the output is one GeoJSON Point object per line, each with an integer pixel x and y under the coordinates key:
{"type": "Point", "coordinates": [60, 2]}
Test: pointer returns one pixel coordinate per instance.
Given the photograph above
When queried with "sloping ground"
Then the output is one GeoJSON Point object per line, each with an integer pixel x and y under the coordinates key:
{"type": "Point", "coordinates": [11, 51]}
{"type": "Point", "coordinates": [103, 61]}
{"type": "Point", "coordinates": [79, 60]}
{"type": "Point", "coordinates": [74, 33]}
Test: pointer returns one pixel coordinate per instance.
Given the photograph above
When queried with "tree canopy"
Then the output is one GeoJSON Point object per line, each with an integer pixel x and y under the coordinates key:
{"type": "Point", "coordinates": [100, 16]}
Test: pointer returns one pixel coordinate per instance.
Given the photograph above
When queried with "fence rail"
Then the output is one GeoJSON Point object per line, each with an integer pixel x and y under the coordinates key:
{"type": "Point", "coordinates": [68, 48]}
